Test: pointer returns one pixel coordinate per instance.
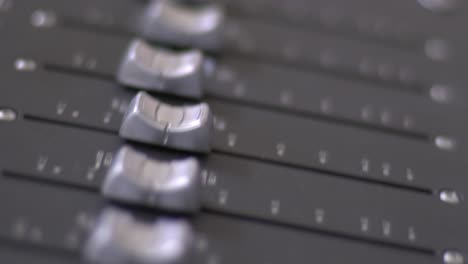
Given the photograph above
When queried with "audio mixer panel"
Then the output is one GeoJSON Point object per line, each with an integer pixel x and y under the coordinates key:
{"type": "Point", "coordinates": [216, 131]}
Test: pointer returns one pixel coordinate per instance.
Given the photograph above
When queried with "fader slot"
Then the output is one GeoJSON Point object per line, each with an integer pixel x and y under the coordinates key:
{"type": "Point", "coordinates": [312, 95]}
{"type": "Point", "coordinates": [279, 200]}
{"type": "Point", "coordinates": [327, 150]}
{"type": "Point", "coordinates": [85, 207]}
{"type": "Point", "coordinates": [349, 59]}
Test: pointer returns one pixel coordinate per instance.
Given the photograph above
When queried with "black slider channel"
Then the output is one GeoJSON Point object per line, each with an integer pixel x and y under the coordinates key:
{"type": "Point", "coordinates": [94, 231]}
{"type": "Point", "coordinates": [134, 182]}
{"type": "Point", "coordinates": [207, 28]}
{"type": "Point", "coordinates": [397, 31]}
{"type": "Point", "coordinates": [232, 240]}
{"type": "Point", "coordinates": [384, 111]}
{"type": "Point", "coordinates": [163, 180]}
{"type": "Point", "coordinates": [132, 178]}
{"type": "Point", "coordinates": [366, 157]}
{"type": "Point", "coordinates": [363, 161]}
{"type": "Point", "coordinates": [190, 74]}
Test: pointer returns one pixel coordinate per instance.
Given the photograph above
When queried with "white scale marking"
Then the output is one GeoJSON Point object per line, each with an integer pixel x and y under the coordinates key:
{"type": "Point", "coordinates": [280, 149]}
{"type": "Point", "coordinates": [5, 5]}
{"type": "Point", "coordinates": [57, 170]}
{"type": "Point", "coordinates": [275, 207]}
{"type": "Point", "coordinates": [41, 163]}
{"type": "Point", "coordinates": [22, 230]}
{"type": "Point", "coordinates": [409, 175]}
{"type": "Point", "coordinates": [107, 118]}
{"type": "Point", "coordinates": [326, 106]}
{"type": "Point", "coordinates": [319, 215]}
{"type": "Point", "coordinates": [239, 90]}
{"type": "Point", "coordinates": [204, 175]}
{"type": "Point", "coordinates": [78, 59]}
{"type": "Point", "coordinates": [90, 175]}
{"type": "Point", "coordinates": [219, 124]}
{"type": "Point", "coordinates": [108, 159]}
{"type": "Point", "coordinates": [115, 103]}
{"type": "Point", "coordinates": [91, 64]}
{"type": "Point", "coordinates": [286, 98]}
{"type": "Point", "coordinates": [226, 75]}
{"type": "Point", "coordinates": [201, 244]}
{"type": "Point", "coordinates": [19, 228]}
{"type": "Point", "coordinates": [61, 107]}
{"type": "Point", "coordinates": [36, 234]}
{"type": "Point", "coordinates": [365, 165]}
{"type": "Point", "coordinates": [386, 169]}
{"type": "Point", "coordinates": [365, 224]}
{"type": "Point", "coordinates": [123, 107]}
{"type": "Point", "coordinates": [75, 114]}
{"type": "Point", "coordinates": [99, 158]}
{"type": "Point", "coordinates": [212, 179]}
{"type": "Point", "coordinates": [385, 117]}
{"type": "Point", "coordinates": [223, 197]}
{"type": "Point", "coordinates": [232, 139]}
{"type": "Point", "coordinates": [84, 221]}
{"type": "Point", "coordinates": [323, 157]}
{"type": "Point", "coordinates": [119, 105]}
{"type": "Point", "coordinates": [411, 234]}
{"type": "Point", "coordinates": [407, 122]}
{"type": "Point", "coordinates": [366, 113]}
{"type": "Point", "coordinates": [386, 228]}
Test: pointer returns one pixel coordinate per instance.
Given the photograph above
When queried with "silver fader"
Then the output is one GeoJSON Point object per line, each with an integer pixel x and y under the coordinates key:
{"type": "Point", "coordinates": [151, 121]}
{"type": "Point", "coordinates": [119, 238]}
{"type": "Point", "coordinates": [155, 69]}
{"type": "Point", "coordinates": [172, 22]}
{"type": "Point", "coordinates": [165, 184]}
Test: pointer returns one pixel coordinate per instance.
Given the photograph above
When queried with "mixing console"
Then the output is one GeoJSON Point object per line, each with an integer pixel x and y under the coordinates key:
{"type": "Point", "coordinates": [233, 131]}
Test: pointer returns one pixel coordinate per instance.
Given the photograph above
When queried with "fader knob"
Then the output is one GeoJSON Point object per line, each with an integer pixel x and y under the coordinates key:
{"type": "Point", "coordinates": [172, 22]}
{"type": "Point", "coordinates": [119, 238]}
{"type": "Point", "coordinates": [151, 121]}
{"type": "Point", "coordinates": [170, 184]}
{"type": "Point", "coordinates": [155, 69]}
